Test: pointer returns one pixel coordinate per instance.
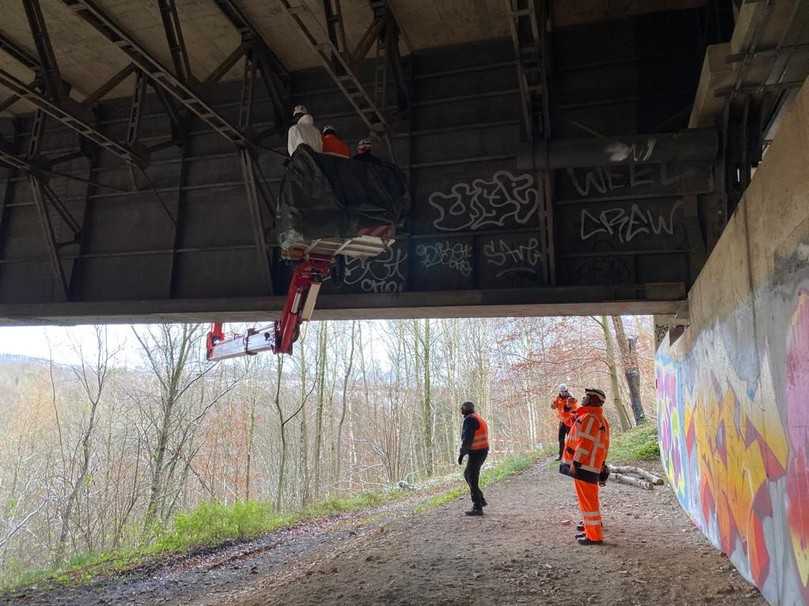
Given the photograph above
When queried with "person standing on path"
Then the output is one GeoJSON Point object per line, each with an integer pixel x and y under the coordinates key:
{"type": "Point", "coordinates": [565, 406]}
{"type": "Point", "coordinates": [584, 458]}
{"type": "Point", "coordinates": [475, 444]}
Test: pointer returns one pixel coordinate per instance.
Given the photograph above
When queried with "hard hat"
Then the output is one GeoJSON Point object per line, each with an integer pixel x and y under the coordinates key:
{"type": "Point", "coordinates": [562, 388]}
{"type": "Point", "coordinates": [596, 393]}
{"type": "Point", "coordinates": [299, 110]}
{"type": "Point", "coordinates": [468, 407]}
{"type": "Point", "coordinates": [328, 129]}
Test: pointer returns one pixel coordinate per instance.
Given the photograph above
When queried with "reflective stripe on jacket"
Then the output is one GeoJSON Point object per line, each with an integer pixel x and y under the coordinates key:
{"type": "Point", "coordinates": [588, 443]}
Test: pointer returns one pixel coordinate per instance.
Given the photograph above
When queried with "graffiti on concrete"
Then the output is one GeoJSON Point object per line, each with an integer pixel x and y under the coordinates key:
{"type": "Point", "coordinates": [637, 152]}
{"type": "Point", "coordinates": [736, 447]}
{"type": "Point", "coordinates": [606, 180]}
{"type": "Point", "coordinates": [513, 257]}
{"type": "Point", "coordinates": [627, 224]}
{"type": "Point", "coordinates": [502, 200]}
{"type": "Point", "coordinates": [382, 274]}
{"type": "Point", "coordinates": [455, 255]}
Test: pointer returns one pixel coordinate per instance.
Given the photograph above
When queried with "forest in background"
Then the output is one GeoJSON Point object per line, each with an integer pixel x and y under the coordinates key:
{"type": "Point", "coordinates": [102, 453]}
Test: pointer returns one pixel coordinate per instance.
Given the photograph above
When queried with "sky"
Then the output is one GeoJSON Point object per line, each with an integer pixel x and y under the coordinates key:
{"type": "Point", "coordinates": [41, 341]}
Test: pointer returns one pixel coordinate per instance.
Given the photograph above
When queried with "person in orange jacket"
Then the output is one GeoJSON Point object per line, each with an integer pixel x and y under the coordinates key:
{"type": "Point", "coordinates": [565, 406]}
{"type": "Point", "coordinates": [475, 443]}
{"type": "Point", "coordinates": [585, 459]}
{"type": "Point", "coordinates": [332, 144]}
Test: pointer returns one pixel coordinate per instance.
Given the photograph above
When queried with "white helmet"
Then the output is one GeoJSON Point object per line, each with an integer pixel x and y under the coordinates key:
{"type": "Point", "coordinates": [298, 111]}
{"type": "Point", "coordinates": [563, 388]}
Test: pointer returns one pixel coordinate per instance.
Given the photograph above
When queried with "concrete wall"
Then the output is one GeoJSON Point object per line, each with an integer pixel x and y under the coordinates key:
{"type": "Point", "coordinates": [733, 391]}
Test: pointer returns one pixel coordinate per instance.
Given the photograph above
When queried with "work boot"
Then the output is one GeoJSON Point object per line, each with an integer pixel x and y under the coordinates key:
{"type": "Point", "coordinates": [586, 541]}
{"type": "Point", "coordinates": [483, 503]}
{"type": "Point", "coordinates": [475, 511]}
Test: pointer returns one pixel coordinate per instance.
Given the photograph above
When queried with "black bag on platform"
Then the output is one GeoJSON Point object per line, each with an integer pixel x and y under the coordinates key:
{"type": "Point", "coordinates": [327, 196]}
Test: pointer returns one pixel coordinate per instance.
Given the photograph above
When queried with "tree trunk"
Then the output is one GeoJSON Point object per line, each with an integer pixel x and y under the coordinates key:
{"type": "Point", "coordinates": [629, 357]}
{"type": "Point", "coordinates": [279, 490]}
{"type": "Point", "coordinates": [321, 389]}
{"type": "Point", "coordinates": [427, 405]}
{"type": "Point", "coordinates": [620, 408]}
{"type": "Point", "coordinates": [346, 378]}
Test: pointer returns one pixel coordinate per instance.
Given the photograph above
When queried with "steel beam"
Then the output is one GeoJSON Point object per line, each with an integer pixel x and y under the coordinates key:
{"type": "Point", "coordinates": [157, 72]}
{"type": "Point", "coordinates": [48, 67]}
{"type": "Point", "coordinates": [250, 182]}
{"type": "Point", "coordinates": [342, 73]}
{"type": "Point", "coordinates": [661, 299]}
{"type": "Point", "coordinates": [68, 119]}
{"type": "Point", "coordinates": [693, 146]}
{"type": "Point", "coordinates": [250, 34]}
{"type": "Point", "coordinates": [174, 37]}
{"type": "Point", "coordinates": [19, 54]}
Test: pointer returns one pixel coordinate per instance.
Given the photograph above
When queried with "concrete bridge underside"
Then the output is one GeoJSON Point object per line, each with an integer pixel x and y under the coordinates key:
{"type": "Point", "coordinates": [551, 170]}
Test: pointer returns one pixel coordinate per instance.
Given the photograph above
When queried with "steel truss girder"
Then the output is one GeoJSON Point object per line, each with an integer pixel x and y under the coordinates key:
{"type": "Point", "coordinates": [48, 67]}
{"type": "Point", "coordinates": [174, 37]}
{"type": "Point", "coordinates": [65, 117]}
{"type": "Point", "coordinates": [155, 70]}
{"type": "Point", "coordinates": [19, 54]}
{"type": "Point", "coordinates": [248, 166]}
{"type": "Point", "coordinates": [250, 35]}
{"type": "Point", "coordinates": [272, 70]}
{"type": "Point", "coordinates": [341, 72]}
{"type": "Point", "coordinates": [527, 36]}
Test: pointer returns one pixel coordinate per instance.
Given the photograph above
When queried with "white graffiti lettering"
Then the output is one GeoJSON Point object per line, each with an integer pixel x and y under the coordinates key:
{"type": "Point", "coordinates": [638, 152]}
{"type": "Point", "coordinates": [625, 224]}
{"type": "Point", "coordinates": [382, 274]}
{"type": "Point", "coordinates": [511, 257]}
{"type": "Point", "coordinates": [455, 255]}
{"type": "Point", "coordinates": [471, 206]}
{"type": "Point", "coordinates": [606, 179]}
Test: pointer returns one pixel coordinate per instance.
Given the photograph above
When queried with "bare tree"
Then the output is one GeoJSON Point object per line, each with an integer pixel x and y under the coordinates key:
{"type": "Point", "coordinates": [629, 358]}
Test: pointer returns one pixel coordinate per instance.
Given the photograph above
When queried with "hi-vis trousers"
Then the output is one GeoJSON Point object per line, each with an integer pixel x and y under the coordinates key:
{"type": "Point", "coordinates": [587, 495]}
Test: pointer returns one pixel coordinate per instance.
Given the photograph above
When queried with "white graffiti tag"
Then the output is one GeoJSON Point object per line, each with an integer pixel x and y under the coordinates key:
{"type": "Point", "coordinates": [482, 203]}
{"type": "Point", "coordinates": [455, 255]}
{"type": "Point", "coordinates": [512, 257]}
{"type": "Point", "coordinates": [638, 152]}
{"type": "Point", "coordinates": [382, 274]}
{"type": "Point", "coordinates": [625, 224]}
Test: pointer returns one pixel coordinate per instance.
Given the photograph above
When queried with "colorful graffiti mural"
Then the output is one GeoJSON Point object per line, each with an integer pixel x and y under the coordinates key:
{"type": "Point", "coordinates": [734, 435]}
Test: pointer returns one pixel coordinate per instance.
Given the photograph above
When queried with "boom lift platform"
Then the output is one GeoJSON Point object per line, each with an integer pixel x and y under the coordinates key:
{"type": "Point", "coordinates": [315, 262]}
{"type": "Point", "coordinates": [328, 206]}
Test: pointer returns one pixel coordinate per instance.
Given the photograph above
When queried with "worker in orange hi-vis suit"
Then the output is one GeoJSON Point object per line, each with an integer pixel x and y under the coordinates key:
{"type": "Point", "coordinates": [584, 460]}
{"type": "Point", "coordinates": [333, 144]}
{"type": "Point", "coordinates": [565, 406]}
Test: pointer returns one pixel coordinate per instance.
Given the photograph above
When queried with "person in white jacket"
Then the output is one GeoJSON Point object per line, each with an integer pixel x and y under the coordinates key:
{"type": "Point", "coordinates": [303, 131]}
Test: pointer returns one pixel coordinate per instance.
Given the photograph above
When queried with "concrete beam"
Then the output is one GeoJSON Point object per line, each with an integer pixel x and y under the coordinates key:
{"type": "Point", "coordinates": [649, 299]}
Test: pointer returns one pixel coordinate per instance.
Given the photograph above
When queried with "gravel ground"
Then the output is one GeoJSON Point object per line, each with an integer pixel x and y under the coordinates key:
{"type": "Point", "coordinates": [521, 552]}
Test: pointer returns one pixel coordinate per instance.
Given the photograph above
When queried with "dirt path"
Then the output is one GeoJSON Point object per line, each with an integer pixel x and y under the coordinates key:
{"type": "Point", "coordinates": [519, 553]}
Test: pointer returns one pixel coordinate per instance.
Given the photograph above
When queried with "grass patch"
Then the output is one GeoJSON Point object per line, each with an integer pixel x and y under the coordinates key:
{"type": "Point", "coordinates": [207, 525]}
{"type": "Point", "coordinates": [508, 466]}
{"type": "Point", "coordinates": [637, 444]}
{"type": "Point", "coordinates": [212, 524]}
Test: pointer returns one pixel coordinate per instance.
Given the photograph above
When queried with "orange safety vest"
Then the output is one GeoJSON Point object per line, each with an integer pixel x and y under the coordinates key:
{"type": "Point", "coordinates": [332, 144]}
{"type": "Point", "coordinates": [588, 443]}
{"type": "Point", "coordinates": [565, 409]}
{"type": "Point", "coordinates": [481, 438]}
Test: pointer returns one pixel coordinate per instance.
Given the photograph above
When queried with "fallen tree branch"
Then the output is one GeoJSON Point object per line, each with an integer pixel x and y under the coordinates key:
{"type": "Point", "coordinates": [637, 471]}
{"type": "Point", "coordinates": [625, 479]}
